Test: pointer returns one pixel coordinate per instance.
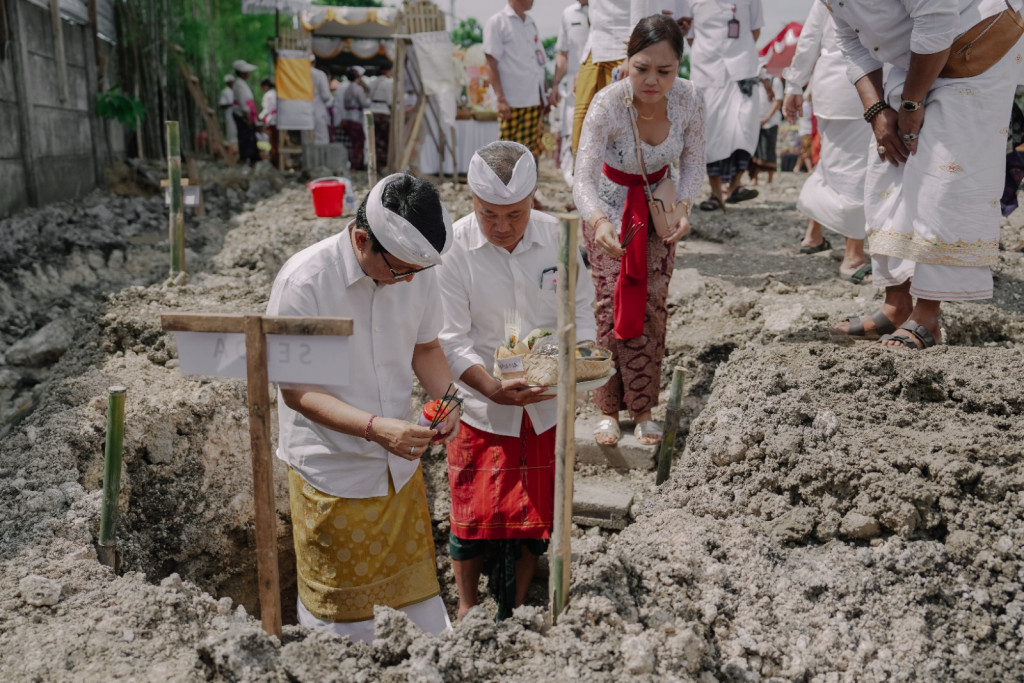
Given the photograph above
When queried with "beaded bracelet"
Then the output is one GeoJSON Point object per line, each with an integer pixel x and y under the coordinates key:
{"type": "Point", "coordinates": [366, 432]}
{"type": "Point", "coordinates": [875, 109]}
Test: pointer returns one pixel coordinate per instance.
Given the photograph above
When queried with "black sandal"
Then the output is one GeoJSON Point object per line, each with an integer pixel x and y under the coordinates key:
{"type": "Point", "coordinates": [857, 277]}
{"type": "Point", "coordinates": [920, 332]}
{"type": "Point", "coordinates": [712, 203]}
{"type": "Point", "coordinates": [741, 194]}
{"type": "Point", "coordinates": [883, 326]}
{"type": "Point", "coordinates": [824, 245]}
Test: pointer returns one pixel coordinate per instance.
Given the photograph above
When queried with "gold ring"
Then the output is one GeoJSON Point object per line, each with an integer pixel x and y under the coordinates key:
{"type": "Point", "coordinates": [881, 150]}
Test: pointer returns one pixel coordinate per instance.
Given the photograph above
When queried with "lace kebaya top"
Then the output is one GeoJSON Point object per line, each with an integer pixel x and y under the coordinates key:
{"type": "Point", "coordinates": [607, 138]}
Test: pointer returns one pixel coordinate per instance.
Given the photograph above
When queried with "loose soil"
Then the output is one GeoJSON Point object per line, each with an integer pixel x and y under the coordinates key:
{"type": "Point", "coordinates": [836, 511]}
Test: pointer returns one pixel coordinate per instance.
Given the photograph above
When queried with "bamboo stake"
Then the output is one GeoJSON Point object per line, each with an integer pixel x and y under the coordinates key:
{"type": "Point", "coordinates": [672, 415]}
{"type": "Point", "coordinates": [262, 475]}
{"type": "Point", "coordinates": [565, 437]}
{"type": "Point", "coordinates": [177, 215]}
{"type": "Point", "coordinates": [371, 147]}
{"type": "Point", "coordinates": [107, 547]}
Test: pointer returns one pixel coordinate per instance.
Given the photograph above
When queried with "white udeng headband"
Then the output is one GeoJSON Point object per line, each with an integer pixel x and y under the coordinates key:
{"type": "Point", "coordinates": [400, 237]}
{"type": "Point", "coordinates": [486, 184]}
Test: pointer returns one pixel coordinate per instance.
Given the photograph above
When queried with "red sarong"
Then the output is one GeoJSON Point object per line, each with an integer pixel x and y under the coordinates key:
{"type": "Point", "coordinates": [502, 486]}
{"type": "Point", "coordinates": [631, 287]}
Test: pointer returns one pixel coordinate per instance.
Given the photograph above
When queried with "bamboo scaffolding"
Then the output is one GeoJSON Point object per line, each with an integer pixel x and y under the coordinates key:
{"type": "Point", "coordinates": [565, 438]}
{"type": "Point", "coordinates": [112, 452]}
{"type": "Point", "coordinates": [370, 153]}
{"type": "Point", "coordinates": [672, 415]}
{"type": "Point", "coordinates": [177, 274]}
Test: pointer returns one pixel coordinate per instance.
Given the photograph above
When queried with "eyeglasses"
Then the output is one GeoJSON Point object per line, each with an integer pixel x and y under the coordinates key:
{"type": "Point", "coordinates": [398, 276]}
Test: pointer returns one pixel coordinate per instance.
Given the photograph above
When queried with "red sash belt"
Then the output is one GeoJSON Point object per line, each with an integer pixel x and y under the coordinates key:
{"type": "Point", "coordinates": [630, 301]}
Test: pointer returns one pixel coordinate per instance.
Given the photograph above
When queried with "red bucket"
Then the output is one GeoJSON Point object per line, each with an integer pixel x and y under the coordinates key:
{"type": "Point", "coordinates": [328, 196]}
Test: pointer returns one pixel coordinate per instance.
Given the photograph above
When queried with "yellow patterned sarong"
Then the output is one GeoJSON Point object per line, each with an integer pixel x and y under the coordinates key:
{"type": "Point", "coordinates": [354, 553]}
{"type": "Point", "coordinates": [522, 126]}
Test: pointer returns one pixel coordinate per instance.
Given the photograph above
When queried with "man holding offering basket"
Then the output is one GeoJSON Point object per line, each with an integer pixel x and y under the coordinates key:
{"type": "Point", "coordinates": [498, 279]}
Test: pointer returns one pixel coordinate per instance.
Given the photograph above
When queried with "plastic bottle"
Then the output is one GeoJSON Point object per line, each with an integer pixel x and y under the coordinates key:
{"type": "Point", "coordinates": [427, 416]}
{"type": "Point", "coordinates": [350, 198]}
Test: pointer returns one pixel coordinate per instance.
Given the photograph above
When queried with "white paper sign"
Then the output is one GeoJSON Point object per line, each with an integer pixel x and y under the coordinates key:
{"type": "Point", "coordinates": [313, 359]}
{"type": "Point", "coordinates": [510, 365]}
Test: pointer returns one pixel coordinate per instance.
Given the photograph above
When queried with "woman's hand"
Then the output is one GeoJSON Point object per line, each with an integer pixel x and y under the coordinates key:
{"type": "Point", "coordinates": [909, 123]}
{"type": "Point", "coordinates": [404, 439]}
{"type": "Point", "coordinates": [682, 229]}
{"type": "Point", "coordinates": [606, 239]}
{"type": "Point", "coordinates": [889, 145]}
{"type": "Point", "coordinates": [791, 106]}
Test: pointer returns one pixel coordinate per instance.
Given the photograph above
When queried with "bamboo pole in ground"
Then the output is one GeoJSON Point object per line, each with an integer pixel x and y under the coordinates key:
{"type": "Point", "coordinates": [177, 213]}
{"type": "Point", "coordinates": [672, 415]}
{"type": "Point", "coordinates": [371, 147]}
{"type": "Point", "coordinates": [565, 437]}
{"type": "Point", "coordinates": [107, 547]}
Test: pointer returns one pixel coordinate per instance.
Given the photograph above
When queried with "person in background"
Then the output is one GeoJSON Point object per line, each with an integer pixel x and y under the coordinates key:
{"type": "Point", "coordinates": [805, 129]}
{"type": "Point", "coordinates": [244, 113]}
{"type": "Point", "coordinates": [338, 107]}
{"type": "Point", "coordinates": [723, 64]}
{"type": "Point", "coordinates": [268, 115]}
{"type": "Point", "coordinates": [226, 102]}
{"type": "Point", "coordinates": [381, 96]}
{"type": "Point", "coordinates": [631, 282]}
{"type": "Point", "coordinates": [931, 197]}
{"type": "Point", "coordinates": [833, 196]}
{"type": "Point", "coordinates": [677, 9]}
{"type": "Point", "coordinates": [355, 101]}
{"type": "Point", "coordinates": [572, 36]}
{"type": "Point", "coordinates": [501, 467]}
{"type": "Point", "coordinates": [359, 512]}
{"type": "Point", "coordinates": [321, 98]}
{"type": "Point", "coordinates": [515, 67]}
{"type": "Point", "coordinates": [765, 158]}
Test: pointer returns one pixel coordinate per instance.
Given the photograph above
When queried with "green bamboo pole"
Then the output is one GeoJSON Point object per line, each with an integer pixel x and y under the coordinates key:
{"type": "Point", "coordinates": [107, 549]}
{"type": "Point", "coordinates": [177, 215]}
{"type": "Point", "coordinates": [565, 437]}
{"type": "Point", "coordinates": [371, 147]}
{"type": "Point", "coordinates": [672, 415]}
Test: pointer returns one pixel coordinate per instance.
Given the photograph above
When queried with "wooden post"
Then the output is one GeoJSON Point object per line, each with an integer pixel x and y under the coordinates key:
{"type": "Point", "coordinates": [262, 474]}
{"type": "Point", "coordinates": [112, 452]}
{"type": "Point", "coordinates": [414, 134]}
{"type": "Point", "coordinates": [59, 57]}
{"type": "Point", "coordinates": [177, 214]}
{"type": "Point", "coordinates": [565, 437]}
{"type": "Point", "coordinates": [371, 147]}
{"type": "Point", "coordinates": [27, 147]}
{"type": "Point", "coordinates": [672, 415]}
{"type": "Point", "coordinates": [396, 136]}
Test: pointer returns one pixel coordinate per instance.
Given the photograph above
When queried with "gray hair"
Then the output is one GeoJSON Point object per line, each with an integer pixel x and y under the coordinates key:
{"type": "Point", "coordinates": [502, 156]}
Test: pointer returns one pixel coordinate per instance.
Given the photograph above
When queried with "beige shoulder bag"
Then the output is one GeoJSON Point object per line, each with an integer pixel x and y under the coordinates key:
{"type": "Point", "coordinates": [984, 44]}
{"type": "Point", "coordinates": [665, 211]}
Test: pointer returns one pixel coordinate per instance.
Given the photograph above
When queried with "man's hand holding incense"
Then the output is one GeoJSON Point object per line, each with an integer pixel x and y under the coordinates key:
{"type": "Point", "coordinates": [405, 439]}
{"type": "Point", "coordinates": [451, 426]}
{"type": "Point", "coordinates": [516, 392]}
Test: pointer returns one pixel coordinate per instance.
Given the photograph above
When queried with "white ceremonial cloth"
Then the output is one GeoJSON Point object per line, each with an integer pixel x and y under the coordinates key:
{"type": "Point", "coordinates": [325, 279]}
{"type": "Point", "coordinates": [381, 95]}
{"type": "Point", "coordinates": [225, 102]}
{"type": "Point", "coordinates": [355, 102]}
{"type": "Point", "coordinates": [572, 36]}
{"type": "Point", "coordinates": [834, 194]}
{"type": "Point", "coordinates": [514, 42]}
{"type": "Point", "coordinates": [486, 184]}
{"type": "Point", "coordinates": [321, 98]}
{"type": "Point", "coordinates": [645, 8]}
{"type": "Point", "coordinates": [876, 33]}
{"type": "Point", "coordinates": [733, 120]}
{"type": "Point", "coordinates": [716, 59]}
{"type": "Point", "coordinates": [609, 31]}
{"type": "Point", "coordinates": [338, 114]}
{"type": "Point", "coordinates": [480, 282]}
{"type": "Point", "coordinates": [268, 108]}
{"type": "Point", "coordinates": [430, 615]}
{"type": "Point", "coordinates": [818, 51]}
{"type": "Point", "coordinates": [941, 208]}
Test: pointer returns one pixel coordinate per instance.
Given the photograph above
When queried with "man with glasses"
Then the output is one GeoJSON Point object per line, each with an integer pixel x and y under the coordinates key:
{"type": "Point", "coordinates": [501, 467]}
{"type": "Point", "coordinates": [358, 503]}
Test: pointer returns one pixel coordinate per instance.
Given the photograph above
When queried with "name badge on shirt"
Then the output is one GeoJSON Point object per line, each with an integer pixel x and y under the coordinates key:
{"type": "Point", "coordinates": [733, 29]}
{"type": "Point", "coordinates": [542, 58]}
{"type": "Point", "coordinates": [549, 279]}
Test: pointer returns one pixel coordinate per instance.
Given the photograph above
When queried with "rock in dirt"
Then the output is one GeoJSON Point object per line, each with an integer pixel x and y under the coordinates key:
{"type": "Point", "coordinates": [45, 346]}
{"type": "Point", "coordinates": [39, 591]}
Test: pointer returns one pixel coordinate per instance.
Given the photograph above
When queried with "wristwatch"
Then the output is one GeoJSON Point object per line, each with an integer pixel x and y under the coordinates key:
{"type": "Point", "coordinates": [911, 105]}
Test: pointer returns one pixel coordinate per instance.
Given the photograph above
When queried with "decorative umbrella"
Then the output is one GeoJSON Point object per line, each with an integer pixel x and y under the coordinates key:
{"type": "Point", "coordinates": [778, 53]}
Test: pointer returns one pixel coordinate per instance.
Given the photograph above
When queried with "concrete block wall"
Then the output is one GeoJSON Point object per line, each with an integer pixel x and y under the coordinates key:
{"type": "Point", "coordinates": [50, 150]}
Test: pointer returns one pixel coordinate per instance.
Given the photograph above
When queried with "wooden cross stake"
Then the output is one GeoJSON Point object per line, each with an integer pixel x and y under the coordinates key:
{"type": "Point", "coordinates": [207, 355]}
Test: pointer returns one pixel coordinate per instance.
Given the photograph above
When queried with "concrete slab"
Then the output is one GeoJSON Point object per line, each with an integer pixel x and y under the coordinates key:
{"type": "Point", "coordinates": [627, 454]}
{"type": "Point", "coordinates": [601, 503]}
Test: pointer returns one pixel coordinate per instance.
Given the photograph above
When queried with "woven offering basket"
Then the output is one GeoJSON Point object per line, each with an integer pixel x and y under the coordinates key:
{"type": "Point", "coordinates": [542, 370]}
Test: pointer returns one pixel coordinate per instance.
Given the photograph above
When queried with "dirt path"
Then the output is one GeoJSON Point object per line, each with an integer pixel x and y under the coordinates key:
{"type": "Point", "coordinates": [839, 511]}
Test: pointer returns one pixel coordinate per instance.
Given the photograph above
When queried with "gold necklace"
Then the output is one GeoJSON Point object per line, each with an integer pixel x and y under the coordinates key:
{"type": "Point", "coordinates": [645, 118]}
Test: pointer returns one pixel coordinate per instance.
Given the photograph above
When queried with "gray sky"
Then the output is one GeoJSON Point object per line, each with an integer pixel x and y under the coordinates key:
{"type": "Point", "coordinates": [777, 13]}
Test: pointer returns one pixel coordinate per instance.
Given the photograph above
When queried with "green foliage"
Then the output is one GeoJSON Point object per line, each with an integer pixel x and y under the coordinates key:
{"type": "Point", "coordinates": [468, 32]}
{"type": "Point", "coordinates": [549, 47]}
{"type": "Point", "coordinates": [125, 109]}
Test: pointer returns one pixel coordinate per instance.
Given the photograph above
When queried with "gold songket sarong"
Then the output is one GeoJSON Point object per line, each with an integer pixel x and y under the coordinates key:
{"type": "Point", "coordinates": [354, 553]}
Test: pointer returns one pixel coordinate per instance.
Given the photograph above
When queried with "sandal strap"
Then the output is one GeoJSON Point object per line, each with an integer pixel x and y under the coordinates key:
{"type": "Point", "coordinates": [921, 332]}
{"type": "Point", "coordinates": [858, 276]}
{"type": "Point", "coordinates": [906, 341]}
{"type": "Point", "coordinates": [882, 323]}
{"type": "Point", "coordinates": [856, 327]}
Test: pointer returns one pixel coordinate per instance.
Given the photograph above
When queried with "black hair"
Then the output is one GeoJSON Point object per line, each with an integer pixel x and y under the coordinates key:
{"type": "Point", "coordinates": [267, 82]}
{"type": "Point", "coordinates": [417, 201]}
{"type": "Point", "coordinates": [654, 29]}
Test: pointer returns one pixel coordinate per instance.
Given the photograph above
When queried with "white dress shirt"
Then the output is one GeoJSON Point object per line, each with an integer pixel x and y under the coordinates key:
{"type": "Point", "coordinates": [572, 35]}
{"type": "Point", "coordinates": [515, 43]}
{"type": "Point", "coordinates": [717, 59]}
{"type": "Point", "coordinates": [480, 282]}
{"type": "Point", "coordinates": [818, 51]}
{"type": "Point", "coordinates": [886, 32]}
{"type": "Point", "coordinates": [268, 111]}
{"type": "Point", "coordinates": [609, 30]}
{"type": "Point", "coordinates": [645, 8]}
{"type": "Point", "coordinates": [380, 95]}
{"type": "Point", "coordinates": [388, 321]}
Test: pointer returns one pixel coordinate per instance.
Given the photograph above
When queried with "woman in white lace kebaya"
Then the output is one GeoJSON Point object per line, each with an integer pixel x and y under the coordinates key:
{"type": "Point", "coordinates": [631, 283]}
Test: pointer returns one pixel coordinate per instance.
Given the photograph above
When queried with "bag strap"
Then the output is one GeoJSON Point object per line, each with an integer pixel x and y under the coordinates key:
{"type": "Point", "coordinates": [636, 140]}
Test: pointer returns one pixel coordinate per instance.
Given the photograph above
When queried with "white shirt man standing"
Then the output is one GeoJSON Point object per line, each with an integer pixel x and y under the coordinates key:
{"type": "Point", "coordinates": [501, 467]}
{"type": "Point", "coordinates": [321, 98]}
{"type": "Point", "coordinates": [572, 37]}
{"type": "Point", "coordinates": [515, 65]}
